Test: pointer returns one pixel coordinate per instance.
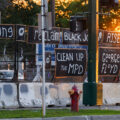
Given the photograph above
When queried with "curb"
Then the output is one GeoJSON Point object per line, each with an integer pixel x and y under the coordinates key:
{"type": "Point", "coordinates": [96, 117]}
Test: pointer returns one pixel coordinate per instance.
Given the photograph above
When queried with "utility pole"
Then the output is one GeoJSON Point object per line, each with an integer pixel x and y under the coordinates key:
{"type": "Point", "coordinates": [89, 88]}
{"type": "Point", "coordinates": [0, 17]}
{"type": "Point", "coordinates": [43, 55]}
{"type": "Point", "coordinates": [97, 46]}
{"type": "Point", "coordinates": [53, 12]}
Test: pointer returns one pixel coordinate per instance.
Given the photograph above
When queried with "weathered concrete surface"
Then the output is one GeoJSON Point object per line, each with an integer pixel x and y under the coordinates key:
{"type": "Point", "coordinates": [8, 95]}
{"type": "Point", "coordinates": [30, 94]}
{"type": "Point", "coordinates": [107, 117]}
{"type": "Point", "coordinates": [111, 94]}
{"type": "Point", "coordinates": [56, 94]}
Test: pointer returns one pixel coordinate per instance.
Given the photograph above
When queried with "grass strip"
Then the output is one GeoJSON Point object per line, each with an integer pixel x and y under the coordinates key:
{"type": "Point", "coordinates": [53, 113]}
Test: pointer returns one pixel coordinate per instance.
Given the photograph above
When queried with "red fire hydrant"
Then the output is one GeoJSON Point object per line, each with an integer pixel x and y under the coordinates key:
{"type": "Point", "coordinates": [74, 95]}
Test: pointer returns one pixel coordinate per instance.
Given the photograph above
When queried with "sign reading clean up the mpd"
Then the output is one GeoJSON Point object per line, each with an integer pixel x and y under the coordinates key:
{"type": "Point", "coordinates": [70, 62]}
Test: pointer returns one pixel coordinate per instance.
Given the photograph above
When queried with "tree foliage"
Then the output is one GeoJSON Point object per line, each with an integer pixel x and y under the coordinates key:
{"type": "Point", "coordinates": [17, 13]}
{"type": "Point", "coordinates": [64, 11]}
{"type": "Point", "coordinates": [4, 4]}
{"type": "Point", "coordinates": [107, 16]}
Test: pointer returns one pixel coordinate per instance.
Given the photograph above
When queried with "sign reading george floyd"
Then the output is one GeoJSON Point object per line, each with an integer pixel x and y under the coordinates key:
{"type": "Point", "coordinates": [20, 32]}
{"type": "Point", "coordinates": [6, 31]}
{"type": "Point", "coordinates": [35, 35]}
{"type": "Point", "coordinates": [70, 62]}
{"type": "Point", "coordinates": [109, 61]}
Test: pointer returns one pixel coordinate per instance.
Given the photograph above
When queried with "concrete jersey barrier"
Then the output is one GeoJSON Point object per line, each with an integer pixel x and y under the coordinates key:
{"type": "Point", "coordinates": [30, 94]}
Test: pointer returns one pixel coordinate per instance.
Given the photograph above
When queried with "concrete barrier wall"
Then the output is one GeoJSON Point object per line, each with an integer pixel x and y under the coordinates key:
{"type": "Point", "coordinates": [111, 93]}
{"type": "Point", "coordinates": [30, 94]}
{"type": "Point", "coordinates": [8, 95]}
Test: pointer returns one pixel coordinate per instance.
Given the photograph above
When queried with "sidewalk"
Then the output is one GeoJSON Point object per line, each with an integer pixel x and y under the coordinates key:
{"type": "Point", "coordinates": [103, 107]}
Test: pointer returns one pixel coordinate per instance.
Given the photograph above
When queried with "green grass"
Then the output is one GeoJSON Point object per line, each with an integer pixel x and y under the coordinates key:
{"type": "Point", "coordinates": [53, 113]}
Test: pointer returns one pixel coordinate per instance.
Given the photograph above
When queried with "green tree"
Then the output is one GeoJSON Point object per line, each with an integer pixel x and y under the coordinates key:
{"type": "Point", "coordinates": [4, 4]}
{"type": "Point", "coordinates": [106, 21]}
{"type": "Point", "coordinates": [109, 18]}
{"type": "Point", "coordinates": [20, 14]}
{"type": "Point", "coordinates": [65, 10]}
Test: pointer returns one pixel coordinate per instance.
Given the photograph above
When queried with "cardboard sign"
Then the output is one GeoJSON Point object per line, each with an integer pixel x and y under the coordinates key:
{"type": "Point", "coordinates": [79, 38]}
{"type": "Point", "coordinates": [6, 31]}
{"type": "Point", "coordinates": [70, 62]}
{"type": "Point", "coordinates": [20, 32]}
{"type": "Point", "coordinates": [74, 38]}
{"type": "Point", "coordinates": [109, 61]}
{"type": "Point", "coordinates": [111, 37]}
{"type": "Point", "coordinates": [35, 35]}
{"type": "Point", "coordinates": [53, 36]}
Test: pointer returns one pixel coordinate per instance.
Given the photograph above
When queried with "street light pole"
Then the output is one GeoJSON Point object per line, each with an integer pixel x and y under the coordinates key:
{"type": "Point", "coordinates": [90, 88]}
{"type": "Point", "coordinates": [97, 46]}
{"type": "Point", "coordinates": [43, 56]}
{"type": "Point", "coordinates": [53, 12]}
{"type": "Point", "coordinates": [93, 41]}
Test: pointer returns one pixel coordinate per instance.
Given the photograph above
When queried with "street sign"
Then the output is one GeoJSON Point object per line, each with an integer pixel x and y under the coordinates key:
{"type": "Point", "coordinates": [48, 48]}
